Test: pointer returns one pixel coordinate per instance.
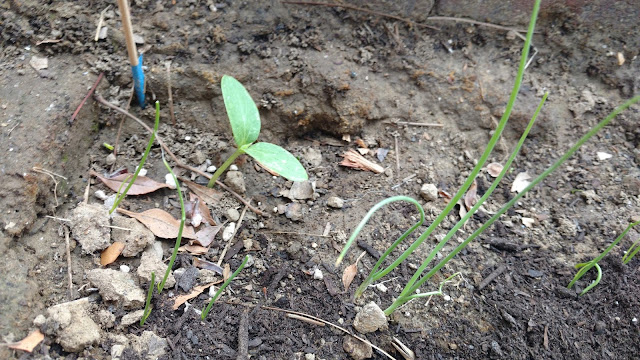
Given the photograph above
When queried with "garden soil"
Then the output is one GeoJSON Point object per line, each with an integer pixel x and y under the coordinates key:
{"type": "Point", "coordinates": [326, 80]}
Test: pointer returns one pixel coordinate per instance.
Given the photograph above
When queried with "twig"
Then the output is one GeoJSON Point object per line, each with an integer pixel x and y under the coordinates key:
{"type": "Point", "coordinates": [395, 136]}
{"type": "Point", "coordinates": [418, 124]}
{"type": "Point", "coordinates": [305, 319]}
{"type": "Point", "coordinates": [66, 239]}
{"type": "Point", "coordinates": [404, 181]}
{"type": "Point", "coordinates": [93, 88]}
{"type": "Point", "coordinates": [494, 274]}
{"type": "Point", "coordinates": [243, 336]}
{"type": "Point", "coordinates": [14, 127]}
{"type": "Point", "coordinates": [85, 196]}
{"type": "Point", "coordinates": [351, 7]}
{"type": "Point", "coordinates": [57, 218]}
{"type": "Point", "coordinates": [330, 324]}
{"type": "Point", "coordinates": [115, 146]}
{"type": "Point", "coordinates": [480, 23]}
{"type": "Point", "coordinates": [173, 116]}
{"type": "Point", "coordinates": [100, 22]}
{"type": "Point", "coordinates": [116, 227]}
{"type": "Point", "coordinates": [101, 100]}
{"type": "Point", "coordinates": [226, 247]}
{"type": "Point", "coordinates": [51, 174]}
{"type": "Point", "coordinates": [295, 233]}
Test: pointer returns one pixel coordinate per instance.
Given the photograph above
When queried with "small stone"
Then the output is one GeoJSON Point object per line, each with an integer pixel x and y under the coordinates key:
{"type": "Point", "coordinates": [603, 155]}
{"type": "Point", "coordinates": [131, 318]}
{"type": "Point", "coordinates": [103, 33]}
{"type": "Point", "coordinates": [429, 192]}
{"type": "Point", "coordinates": [125, 268]}
{"type": "Point", "coordinates": [233, 167]}
{"type": "Point", "coordinates": [293, 211]}
{"type": "Point", "coordinates": [117, 286]}
{"type": "Point", "coordinates": [198, 157]}
{"type": "Point", "coordinates": [168, 179]}
{"type": "Point", "coordinates": [335, 202]}
{"type": "Point", "coordinates": [535, 273]}
{"type": "Point", "coordinates": [106, 319]}
{"type": "Point", "coordinates": [313, 156]}
{"type": "Point", "coordinates": [371, 318]}
{"type": "Point", "coordinates": [207, 276]}
{"type": "Point", "coordinates": [247, 244]}
{"type": "Point", "coordinates": [381, 287]}
{"type": "Point", "coordinates": [148, 345]}
{"type": "Point", "coordinates": [211, 169]}
{"type": "Point", "coordinates": [453, 346]}
{"type": "Point", "coordinates": [301, 190]}
{"type": "Point", "coordinates": [71, 325]}
{"type": "Point", "coordinates": [151, 262]}
{"type": "Point", "coordinates": [135, 239]}
{"type": "Point", "coordinates": [357, 349]}
{"type": "Point", "coordinates": [228, 231]}
{"type": "Point", "coordinates": [39, 320]}
{"type": "Point", "coordinates": [90, 227]}
{"type": "Point", "coordinates": [111, 159]}
{"type": "Point", "coordinates": [139, 40]}
{"type": "Point", "coordinates": [600, 327]}
{"type": "Point", "coordinates": [317, 274]}
{"type": "Point", "coordinates": [309, 357]}
{"type": "Point", "coordinates": [235, 181]}
{"type": "Point", "coordinates": [99, 194]}
{"type": "Point", "coordinates": [233, 214]}
{"type": "Point", "coordinates": [188, 279]}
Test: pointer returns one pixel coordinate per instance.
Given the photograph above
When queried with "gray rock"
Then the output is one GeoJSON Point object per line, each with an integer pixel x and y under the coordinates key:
{"type": "Point", "coordinates": [106, 319]}
{"type": "Point", "coordinates": [313, 156]}
{"type": "Point", "coordinates": [71, 325]}
{"type": "Point", "coordinates": [371, 318]}
{"type": "Point", "coordinates": [131, 318]}
{"type": "Point", "coordinates": [148, 345]}
{"type": "Point", "coordinates": [111, 159]}
{"type": "Point", "coordinates": [89, 225]}
{"type": "Point", "coordinates": [198, 157]}
{"type": "Point", "coordinates": [117, 286]}
{"type": "Point", "coordinates": [233, 214]}
{"type": "Point", "coordinates": [429, 192]}
{"type": "Point", "coordinates": [150, 262]}
{"type": "Point", "coordinates": [235, 181]}
{"type": "Point", "coordinates": [293, 211]}
{"type": "Point", "coordinates": [357, 349]}
{"type": "Point", "coordinates": [188, 279]}
{"type": "Point", "coordinates": [335, 202]}
{"type": "Point", "coordinates": [135, 240]}
{"type": "Point", "coordinates": [301, 190]}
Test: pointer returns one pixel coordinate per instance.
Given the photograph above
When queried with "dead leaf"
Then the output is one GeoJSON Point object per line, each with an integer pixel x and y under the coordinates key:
{"type": "Point", "coordinates": [194, 249]}
{"type": "Point", "coordinates": [354, 160]}
{"type": "Point", "coordinates": [447, 197]}
{"type": "Point", "coordinates": [205, 236]}
{"type": "Point", "coordinates": [197, 290]}
{"type": "Point", "coordinates": [203, 210]}
{"type": "Point", "coordinates": [350, 272]}
{"type": "Point", "coordinates": [208, 195]}
{"type": "Point", "coordinates": [463, 210]}
{"type": "Point", "coordinates": [111, 253]}
{"type": "Point", "coordinates": [494, 169]}
{"type": "Point", "coordinates": [142, 185]}
{"type": "Point", "coordinates": [208, 265]}
{"type": "Point", "coordinates": [471, 197]}
{"type": "Point", "coordinates": [161, 223]}
{"type": "Point", "coordinates": [29, 343]}
{"type": "Point", "coordinates": [39, 63]}
{"type": "Point", "coordinates": [361, 143]}
{"type": "Point", "coordinates": [521, 182]}
{"type": "Point", "coordinates": [226, 273]}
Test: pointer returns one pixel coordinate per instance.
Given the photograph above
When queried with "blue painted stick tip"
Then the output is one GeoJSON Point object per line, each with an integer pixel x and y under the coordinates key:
{"type": "Point", "coordinates": [138, 82]}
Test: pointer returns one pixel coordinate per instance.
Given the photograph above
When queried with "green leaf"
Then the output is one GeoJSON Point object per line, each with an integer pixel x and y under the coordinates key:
{"type": "Point", "coordinates": [278, 160]}
{"type": "Point", "coordinates": [241, 110]}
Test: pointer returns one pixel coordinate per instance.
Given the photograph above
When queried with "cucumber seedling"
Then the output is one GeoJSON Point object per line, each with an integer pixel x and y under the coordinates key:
{"type": "Point", "coordinates": [245, 126]}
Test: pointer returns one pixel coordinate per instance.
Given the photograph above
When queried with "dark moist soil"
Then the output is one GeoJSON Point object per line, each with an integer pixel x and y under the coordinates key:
{"type": "Point", "coordinates": [317, 74]}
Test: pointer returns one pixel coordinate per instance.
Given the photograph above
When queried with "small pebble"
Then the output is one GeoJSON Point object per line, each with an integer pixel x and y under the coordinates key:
{"type": "Point", "coordinates": [335, 202]}
{"type": "Point", "coordinates": [380, 287]}
{"type": "Point", "coordinates": [111, 159]}
{"type": "Point", "coordinates": [233, 167]}
{"type": "Point", "coordinates": [317, 274]}
{"type": "Point", "coordinates": [100, 195]}
{"type": "Point", "coordinates": [143, 172]}
{"type": "Point", "coordinates": [212, 169]}
{"type": "Point", "coordinates": [125, 268]}
{"type": "Point", "coordinates": [227, 233]}
{"type": "Point", "coordinates": [233, 214]}
{"type": "Point", "coordinates": [168, 179]}
{"type": "Point", "coordinates": [429, 192]}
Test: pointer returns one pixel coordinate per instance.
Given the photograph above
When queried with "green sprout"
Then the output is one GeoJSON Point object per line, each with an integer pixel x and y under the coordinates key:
{"type": "Point", "coordinates": [108, 146]}
{"type": "Point", "coordinates": [147, 304]}
{"type": "Point", "coordinates": [633, 250]}
{"type": "Point", "coordinates": [419, 278]}
{"type": "Point", "coordinates": [215, 297]}
{"type": "Point", "coordinates": [182, 221]}
{"type": "Point", "coordinates": [131, 179]}
{"type": "Point", "coordinates": [584, 267]}
{"type": "Point", "coordinates": [245, 125]}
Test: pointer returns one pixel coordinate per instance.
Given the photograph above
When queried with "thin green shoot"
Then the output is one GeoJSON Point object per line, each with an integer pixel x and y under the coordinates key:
{"type": "Point", "coordinates": [584, 267]}
{"type": "Point", "coordinates": [132, 179]}
{"type": "Point", "coordinates": [245, 125]}
{"type": "Point", "coordinates": [147, 304]}
{"type": "Point", "coordinates": [433, 293]}
{"type": "Point", "coordinates": [215, 297]}
{"type": "Point", "coordinates": [633, 250]}
{"type": "Point", "coordinates": [183, 218]}
{"type": "Point", "coordinates": [108, 146]}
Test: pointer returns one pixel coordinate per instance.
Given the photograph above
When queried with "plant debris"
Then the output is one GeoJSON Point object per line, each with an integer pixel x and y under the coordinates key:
{"type": "Point", "coordinates": [161, 223]}
{"type": "Point", "coordinates": [29, 343]}
{"type": "Point", "coordinates": [142, 185]}
{"type": "Point", "coordinates": [354, 160]}
{"type": "Point", "coordinates": [110, 254]}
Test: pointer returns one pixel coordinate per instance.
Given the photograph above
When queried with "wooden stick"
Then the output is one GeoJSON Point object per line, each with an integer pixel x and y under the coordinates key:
{"type": "Point", "coordinates": [101, 100]}
{"type": "Point", "coordinates": [171, 112]}
{"type": "Point", "coordinates": [93, 88]}
{"type": "Point", "coordinates": [125, 16]}
{"type": "Point", "coordinates": [68, 248]}
{"type": "Point", "coordinates": [418, 124]}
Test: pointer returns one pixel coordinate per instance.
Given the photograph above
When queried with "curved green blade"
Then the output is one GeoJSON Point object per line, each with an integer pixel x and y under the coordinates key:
{"type": "Point", "coordinates": [241, 110]}
{"type": "Point", "coordinates": [278, 160]}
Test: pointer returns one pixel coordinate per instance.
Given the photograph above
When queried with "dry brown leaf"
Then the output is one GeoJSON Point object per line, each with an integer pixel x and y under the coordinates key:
{"type": "Point", "coordinates": [208, 195]}
{"type": "Point", "coordinates": [494, 169]}
{"type": "Point", "coordinates": [111, 253]}
{"type": "Point", "coordinates": [463, 210]}
{"type": "Point", "coordinates": [226, 273]}
{"type": "Point", "coordinates": [205, 236]}
{"type": "Point", "coordinates": [194, 249]}
{"type": "Point", "coordinates": [29, 343]}
{"type": "Point", "coordinates": [354, 160]}
{"type": "Point", "coordinates": [203, 210]}
{"type": "Point", "coordinates": [161, 223]}
{"type": "Point", "coordinates": [471, 197]}
{"type": "Point", "coordinates": [361, 143]}
{"type": "Point", "coordinates": [142, 185]}
{"type": "Point", "coordinates": [197, 290]}
{"type": "Point", "coordinates": [350, 272]}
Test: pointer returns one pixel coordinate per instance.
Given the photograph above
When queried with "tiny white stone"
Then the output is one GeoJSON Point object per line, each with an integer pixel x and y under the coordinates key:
{"type": "Point", "coordinates": [212, 169]}
{"type": "Point", "coordinates": [143, 172]}
{"type": "Point", "coordinates": [227, 233]}
{"type": "Point", "coordinates": [169, 180]}
{"type": "Point", "coordinates": [187, 138]}
{"type": "Point", "coordinates": [634, 320]}
{"type": "Point", "coordinates": [317, 274]}
{"type": "Point", "coordinates": [447, 298]}
{"type": "Point", "coordinates": [233, 168]}
{"type": "Point", "coordinates": [100, 195]}
{"type": "Point", "coordinates": [124, 268]}
{"type": "Point", "coordinates": [275, 209]}
{"type": "Point", "coordinates": [603, 155]}
{"type": "Point", "coordinates": [381, 287]}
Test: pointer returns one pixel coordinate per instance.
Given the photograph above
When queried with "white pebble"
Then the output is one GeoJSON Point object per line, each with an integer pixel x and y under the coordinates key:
{"type": "Point", "coordinates": [317, 274]}
{"type": "Point", "coordinates": [381, 287]}
{"type": "Point", "coordinates": [100, 195]}
{"type": "Point", "coordinates": [212, 169]}
{"type": "Point", "coordinates": [124, 268]}
{"type": "Point", "coordinates": [227, 233]}
{"type": "Point", "coordinates": [233, 168]}
{"type": "Point", "coordinates": [187, 138]}
{"type": "Point", "coordinates": [143, 172]}
{"type": "Point", "coordinates": [169, 180]}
